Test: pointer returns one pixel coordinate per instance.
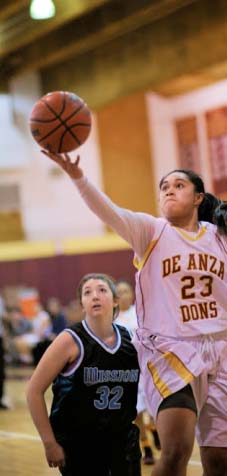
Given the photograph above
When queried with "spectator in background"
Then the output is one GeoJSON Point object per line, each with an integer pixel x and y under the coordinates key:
{"type": "Point", "coordinates": [127, 317]}
{"type": "Point", "coordinates": [58, 324]}
{"type": "Point", "coordinates": [15, 325]}
{"type": "Point", "coordinates": [58, 319]}
{"type": "Point", "coordinates": [74, 312]}
{"type": "Point", "coordinates": [3, 406]}
{"type": "Point", "coordinates": [40, 329]}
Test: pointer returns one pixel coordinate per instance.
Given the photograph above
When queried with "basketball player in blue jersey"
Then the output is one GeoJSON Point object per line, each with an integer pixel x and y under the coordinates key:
{"type": "Point", "coordinates": [94, 369]}
{"type": "Point", "coordinates": [181, 303]}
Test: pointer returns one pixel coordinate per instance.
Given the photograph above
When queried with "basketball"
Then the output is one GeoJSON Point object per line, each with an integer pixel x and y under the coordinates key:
{"type": "Point", "coordinates": [60, 122]}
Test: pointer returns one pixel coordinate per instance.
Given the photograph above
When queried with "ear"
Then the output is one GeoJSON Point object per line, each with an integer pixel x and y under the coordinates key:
{"type": "Point", "coordinates": [199, 197]}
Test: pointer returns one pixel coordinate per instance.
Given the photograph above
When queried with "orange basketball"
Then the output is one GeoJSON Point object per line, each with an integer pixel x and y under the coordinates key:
{"type": "Point", "coordinates": [60, 121]}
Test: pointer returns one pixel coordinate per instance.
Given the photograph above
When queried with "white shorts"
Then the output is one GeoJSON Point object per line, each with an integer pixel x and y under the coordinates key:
{"type": "Point", "coordinates": [211, 428]}
{"type": "Point", "coordinates": [141, 398]}
{"type": "Point", "coordinates": [167, 365]}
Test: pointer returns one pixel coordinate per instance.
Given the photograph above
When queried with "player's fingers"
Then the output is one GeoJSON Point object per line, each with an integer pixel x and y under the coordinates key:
{"type": "Point", "coordinates": [49, 154]}
{"type": "Point", "coordinates": [67, 157]}
{"type": "Point", "coordinates": [45, 152]}
{"type": "Point", "coordinates": [68, 167]}
{"type": "Point", "coordinates": [55, 157]}
{"type": "Point", "coordinates": [77, 160]}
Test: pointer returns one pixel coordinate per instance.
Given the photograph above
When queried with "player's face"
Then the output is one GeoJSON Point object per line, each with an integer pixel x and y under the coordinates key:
{"type": "Point", "coordinates": [125, 296]}
{"type": "Point", "coordinates": [178, 198]}
{"type": "Point", "coordinates": [97, 298]}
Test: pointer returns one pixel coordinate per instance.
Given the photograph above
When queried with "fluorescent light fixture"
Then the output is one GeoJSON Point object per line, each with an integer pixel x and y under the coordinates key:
{"type": "Point", "coordinates": [42, 9]}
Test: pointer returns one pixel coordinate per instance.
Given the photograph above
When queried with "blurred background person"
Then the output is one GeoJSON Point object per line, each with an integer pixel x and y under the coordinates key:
{"type": "Point", "coordinates": [3, 405]}
{"type": "Point", "coordinates": [58, 323]}
{"type": "Point", "coordinates": [74, 312]}
{"type": "Point", "coordinates": [40, 329]}
{"type": "Point", "coordinates": [15, 325]}
{"type": "Point", "coordinates": [127, 317]}
{"type": "Point", "coordinates": [57, 316]}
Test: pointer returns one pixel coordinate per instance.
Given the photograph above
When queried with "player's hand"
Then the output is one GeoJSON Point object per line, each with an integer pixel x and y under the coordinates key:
{"type": "Point", "coordinates": [55, 455]}
{"type": "Point", "coordinates": [64, 160]}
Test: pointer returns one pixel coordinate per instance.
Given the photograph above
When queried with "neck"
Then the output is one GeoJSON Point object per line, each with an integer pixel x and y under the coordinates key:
{"type": "Point", "coordinates": [105, 332]}
{"type": "Point", "coordinates": [185, 224]}
{"type": "Point", "coordinates": [99, 327]}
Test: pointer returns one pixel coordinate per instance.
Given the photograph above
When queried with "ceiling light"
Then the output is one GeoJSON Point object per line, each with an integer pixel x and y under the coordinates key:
{"type": "Point", "coordinates": [42, 9]}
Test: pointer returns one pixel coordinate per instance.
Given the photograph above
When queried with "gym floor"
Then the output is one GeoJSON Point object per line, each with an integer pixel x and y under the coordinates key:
{"type": "Point", "coordinates": [20, 447]}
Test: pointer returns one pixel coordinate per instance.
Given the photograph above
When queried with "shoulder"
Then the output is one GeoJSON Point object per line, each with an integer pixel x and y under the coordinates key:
{"type": "Point", "coordinates": [212, 230]}
{"type": "Point", "coordinates": [77, 327]}
{"type": "Point", "coordinates": [63, 349]}
{"type": "Point", "coordinates": [76, 332]}
{"type": "Point", "coordinates": [152, 220]}
{"type": "Point", "coordinates": [124, 331]}
{"type": "Point", "coordinates": [158, 226]}
{"type": "Point", "coordinates": [209, 226]}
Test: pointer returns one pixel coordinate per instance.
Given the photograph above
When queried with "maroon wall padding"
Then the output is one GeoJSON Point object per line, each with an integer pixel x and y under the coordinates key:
{"type": "Point", "coordinates": [59, 275]}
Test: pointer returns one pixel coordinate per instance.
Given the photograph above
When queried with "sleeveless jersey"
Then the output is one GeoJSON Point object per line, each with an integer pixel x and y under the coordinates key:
{"type": "Point", "coordinates": [100, 390]}
{"type": "Point", "coordinates": [181, 284]}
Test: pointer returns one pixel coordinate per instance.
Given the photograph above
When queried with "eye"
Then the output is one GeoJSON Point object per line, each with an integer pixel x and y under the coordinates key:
{"type": "Point", "coordinates": [180, 185]}
{"type": "Point", "coordinates": [86, 293]}
{"type": "Point", "coordinates": [164, 188]}
{"type": "Point", "coordinates": [103, 290]}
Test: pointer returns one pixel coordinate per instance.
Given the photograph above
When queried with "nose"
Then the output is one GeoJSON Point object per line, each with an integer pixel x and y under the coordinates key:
{"type": "Point", "coordinates": [94, 295]}
{"type": "Point", "coordinates": [169, 192]}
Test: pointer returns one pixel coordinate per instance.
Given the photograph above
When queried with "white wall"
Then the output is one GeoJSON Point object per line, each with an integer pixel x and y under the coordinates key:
{"type": "Point", "coordinates": [162, 136]}
{"type": "Point", "coordinates": [162, 114]}
{"type": "Point", "coordinates": [50, 205]}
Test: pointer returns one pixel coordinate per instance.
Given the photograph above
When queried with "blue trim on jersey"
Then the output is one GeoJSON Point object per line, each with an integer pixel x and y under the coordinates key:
{"type": "Point", "coordinates": [78, 361]}
{"type": "Point", "coordinates": [109, 349]}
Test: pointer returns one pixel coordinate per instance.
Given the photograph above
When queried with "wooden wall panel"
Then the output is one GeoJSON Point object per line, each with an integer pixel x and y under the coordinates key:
{"type": "Point", "coordinates": [60, 275]}
{"type": "Point", "coordinates": [216, 121]}
{"type": "Point", "coordinates": [187, 141]}
{"type": "Point", "coordinates": [126, 155]}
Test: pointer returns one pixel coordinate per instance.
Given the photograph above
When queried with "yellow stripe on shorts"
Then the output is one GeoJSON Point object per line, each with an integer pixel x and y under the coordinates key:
{"type": "Point", "coordinates": [163, 389]}
{"type": "Point", "coordinates": [178, 366]}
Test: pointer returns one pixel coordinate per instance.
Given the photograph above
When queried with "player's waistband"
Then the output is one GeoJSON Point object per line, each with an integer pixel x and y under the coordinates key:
{"type": "Point", "coordinates": [221, 335]}
{"type": "Point", "coordinates": [144, 334]}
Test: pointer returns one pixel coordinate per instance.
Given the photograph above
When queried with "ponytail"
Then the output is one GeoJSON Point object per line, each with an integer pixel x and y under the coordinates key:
{"type": "Point", "coordinates": [214, 211]}
{"type": "Point", "coordinates": [207, 208]}
{"type": "Point", "coordinates": [220, 217]}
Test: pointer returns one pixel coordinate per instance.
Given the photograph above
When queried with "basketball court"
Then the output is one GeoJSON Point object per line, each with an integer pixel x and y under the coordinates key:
{"type": "Point", "coordinates": [20, 447]}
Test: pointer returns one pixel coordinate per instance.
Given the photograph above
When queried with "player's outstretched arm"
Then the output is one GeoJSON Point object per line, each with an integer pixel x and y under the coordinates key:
{"type": "Point", "coordinates": [135, 228]}
{"type": "Point", "coordinates": [64, 160]}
